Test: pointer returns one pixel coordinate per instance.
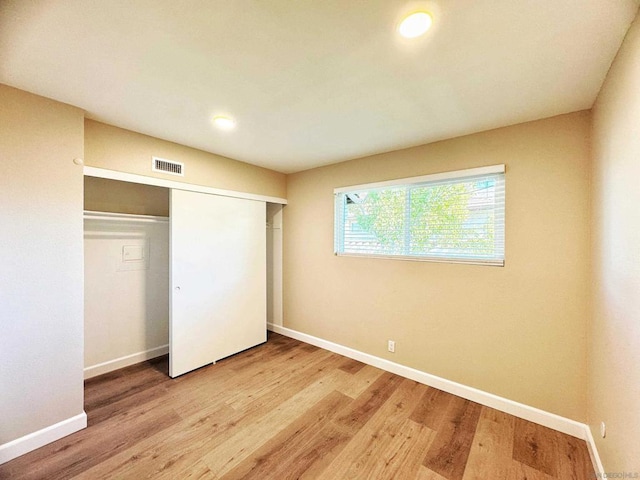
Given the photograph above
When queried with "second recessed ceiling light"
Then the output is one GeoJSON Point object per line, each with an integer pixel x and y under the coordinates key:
{"type": "Point", "coordinates": [224, 123]}
{"type": "Point", "coordinates": [415, 25]}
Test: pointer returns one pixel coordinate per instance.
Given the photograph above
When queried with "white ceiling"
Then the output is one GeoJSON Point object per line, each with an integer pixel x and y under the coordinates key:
{"type": "Point", "coordinates": [311, 82]}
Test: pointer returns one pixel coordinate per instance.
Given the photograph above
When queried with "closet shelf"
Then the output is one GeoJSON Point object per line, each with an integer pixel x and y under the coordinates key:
{"type": "Point", "coordinates": [123, 217]}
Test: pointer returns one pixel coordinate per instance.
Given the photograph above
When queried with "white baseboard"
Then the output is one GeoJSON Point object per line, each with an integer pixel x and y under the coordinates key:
{"type": "Point", "coordinates": [593, 451]}
{"type": "Point", "coordinates": [526, 412]}
{"type": "Point", "coordinates": [115, 364]}
{"type": "Point", "coordinates": [22, 445]}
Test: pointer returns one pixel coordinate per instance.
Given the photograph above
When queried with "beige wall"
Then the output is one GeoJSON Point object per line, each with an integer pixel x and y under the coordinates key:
{"type": "Point", "coordinates": [518, 331]}
{"type": "Point", "coordinates": [104, 195]}
{"type": "Point", "coordinates": [614, 354]}
{"type": "Point", "coordinates": [41, 281]}
{"type": "Point", "coordinates": [125, 151]}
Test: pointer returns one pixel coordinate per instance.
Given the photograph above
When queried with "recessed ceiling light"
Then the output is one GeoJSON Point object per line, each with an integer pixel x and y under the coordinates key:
{"type": "Point", "coordinates": [224, 123]}
{"type": "Point", "coordinates": [415, 25]}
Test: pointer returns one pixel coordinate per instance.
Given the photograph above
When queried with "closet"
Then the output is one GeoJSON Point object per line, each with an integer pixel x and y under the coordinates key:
{"type": "Point", "coordinates": [175, 271]}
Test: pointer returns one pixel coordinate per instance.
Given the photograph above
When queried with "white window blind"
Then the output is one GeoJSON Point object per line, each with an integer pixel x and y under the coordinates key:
{"type": "Point", "coordinates": [454, 217]}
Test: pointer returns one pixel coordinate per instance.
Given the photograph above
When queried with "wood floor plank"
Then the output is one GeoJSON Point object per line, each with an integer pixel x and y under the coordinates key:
{"type": "Point", "coordinates": [402, 458]}
{"type": "Point", "coordinates": [425, 474]}
{"type": "Point", "coordinates": [271, 379]}
{"type": "Point", "coordinates": [105, 411]}
{"type": "Point", "coordinates": [520, 471]}
{"type": "Point", "coordinates": [321, 452]}
{"type": "Point", "coordinates": [449, 451]}
{"type": "Point", "coordinates": [225, 456]}
{"type": "Point", "coordinates": [351, 366]}
{"type": "Point", "coordinates": [361, 380]}
{"type": "Point", "coordinates": [369, 401]}
{"type": "Point", "coordinates": [363, 453]}
{"type": "Point", "coordinates": [221, 384]}
{"type": "Point", "coordinates": [198, 471]}
{"type": "Point", "coordinates": [492, 449]}
{"type": "Point", "coordinates": [286, 409]}
{"type": "Point", "coordinates": [535, 446]}
{"type": "Point", "coordinates": [251, 410]}
{"type": "Point", "coordinates": [124, 383]}
{"type": "Point", "coordinates": [574, 461]}
{"type": "Point", "coordinates": [61, 461]}
{"type": "Point", "coordinates": [431, 410]}
{"type": "Point", "coordinates": [176, 448]}
{"type": "Point", "coordinates": [280, 456]}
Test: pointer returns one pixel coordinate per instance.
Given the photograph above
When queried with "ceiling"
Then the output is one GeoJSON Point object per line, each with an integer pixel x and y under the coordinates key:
{"type": "Point", "coordinates": [311, 82]}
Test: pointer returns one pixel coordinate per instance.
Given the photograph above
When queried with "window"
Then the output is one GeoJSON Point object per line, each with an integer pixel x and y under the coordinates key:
{"type": "Point", "coordinates": [452, 217]}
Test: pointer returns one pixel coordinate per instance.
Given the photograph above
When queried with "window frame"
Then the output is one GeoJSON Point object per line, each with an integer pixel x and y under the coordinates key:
{"type": "Point", "coordinates": [409, 182]}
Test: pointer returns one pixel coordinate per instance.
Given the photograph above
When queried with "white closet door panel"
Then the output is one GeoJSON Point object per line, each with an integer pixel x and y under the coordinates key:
{"type": "Point", "coordinates": [218, 278]}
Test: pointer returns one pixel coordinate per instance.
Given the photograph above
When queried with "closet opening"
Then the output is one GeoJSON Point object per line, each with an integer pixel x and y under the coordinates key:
{"type": "Point", "coordinates": [126, 266]}
{"type": "Point", "coordinates": [127, 273]}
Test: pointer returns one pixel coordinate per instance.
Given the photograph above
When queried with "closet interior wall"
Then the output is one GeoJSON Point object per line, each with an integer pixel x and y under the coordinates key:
{"type": "Point", "coordinates": [126, 253]}
{"type": "Point", "coordinates": [274, 263]}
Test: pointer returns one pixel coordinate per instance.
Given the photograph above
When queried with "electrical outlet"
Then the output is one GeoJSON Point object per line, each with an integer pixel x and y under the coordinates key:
{"type": "Point", "coordinates": [391, 346]}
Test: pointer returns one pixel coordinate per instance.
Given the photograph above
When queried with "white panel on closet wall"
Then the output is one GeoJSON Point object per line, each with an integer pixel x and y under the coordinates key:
{"type": "Point", "coordinates": [126, 290]}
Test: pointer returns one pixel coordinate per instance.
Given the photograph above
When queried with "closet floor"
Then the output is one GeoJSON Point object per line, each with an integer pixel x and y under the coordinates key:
{"type": "Point", "coordinates": [286, 409]}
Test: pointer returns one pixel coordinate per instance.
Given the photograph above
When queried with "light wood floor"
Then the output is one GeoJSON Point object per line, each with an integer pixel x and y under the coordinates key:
{"type": "Point", "coordinates": [290, 410]}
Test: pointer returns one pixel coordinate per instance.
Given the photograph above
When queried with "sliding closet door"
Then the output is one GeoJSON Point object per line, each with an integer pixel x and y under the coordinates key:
{"type": "Point", "coordinates": [218, 278]}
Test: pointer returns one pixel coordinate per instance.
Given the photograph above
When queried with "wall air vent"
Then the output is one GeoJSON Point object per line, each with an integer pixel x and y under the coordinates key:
{"type": "Point", "coordinates": [167, 166]}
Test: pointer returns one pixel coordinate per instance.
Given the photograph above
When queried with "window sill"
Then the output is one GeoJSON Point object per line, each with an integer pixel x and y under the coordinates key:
{"type": "Point", "coordinates": [465, 261]}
